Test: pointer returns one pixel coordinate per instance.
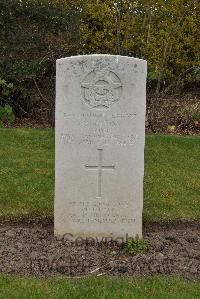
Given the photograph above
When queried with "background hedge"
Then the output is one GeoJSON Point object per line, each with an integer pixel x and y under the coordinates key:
{"type": "Point", "coordinates": [34, 33]}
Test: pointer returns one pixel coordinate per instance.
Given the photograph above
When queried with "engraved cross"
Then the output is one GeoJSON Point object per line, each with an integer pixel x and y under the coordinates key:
{"type": "Point", "coordinates": [100, 167]}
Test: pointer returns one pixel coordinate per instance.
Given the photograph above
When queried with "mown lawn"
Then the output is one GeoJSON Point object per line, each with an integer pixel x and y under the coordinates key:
{"type": "Point", "coordinates": [171, 184]}
{"type": "Point", "coordinates": [98, 287]}
{"type": "Point", "coordinates": [172, 178]}
{"type": "Point", "coordinates": [26, 171]}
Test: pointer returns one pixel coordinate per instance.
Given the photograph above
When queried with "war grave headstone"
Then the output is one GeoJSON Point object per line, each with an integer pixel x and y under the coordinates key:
{"type": "Point", "coordinates": [100, 136]}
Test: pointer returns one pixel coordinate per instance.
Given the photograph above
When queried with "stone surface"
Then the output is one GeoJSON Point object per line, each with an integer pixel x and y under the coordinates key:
{"type": "Point", "coordinates": [100, 130]}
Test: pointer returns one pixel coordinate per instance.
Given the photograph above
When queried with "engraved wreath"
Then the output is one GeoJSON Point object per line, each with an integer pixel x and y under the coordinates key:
{"type": "Point", "coordinates": [101, 90]}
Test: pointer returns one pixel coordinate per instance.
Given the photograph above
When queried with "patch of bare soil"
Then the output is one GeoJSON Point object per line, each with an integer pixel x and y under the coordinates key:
{"type": "Point", "coordinates": [30, 122]}
{"type": "Point", "coordinates": [173, 115]}
{"type": "Point", "coordinates": [30, 249]}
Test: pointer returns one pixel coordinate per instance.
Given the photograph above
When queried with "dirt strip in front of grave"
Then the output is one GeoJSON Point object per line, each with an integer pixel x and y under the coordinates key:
{"type": "Point", "coordinates": [31, 249]}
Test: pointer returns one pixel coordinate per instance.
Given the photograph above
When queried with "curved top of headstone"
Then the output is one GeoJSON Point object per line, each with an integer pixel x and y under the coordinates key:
{"type": "Point", "coordinates": [100, 76]}
{"type": "Point", "coordinates": [101, 56]}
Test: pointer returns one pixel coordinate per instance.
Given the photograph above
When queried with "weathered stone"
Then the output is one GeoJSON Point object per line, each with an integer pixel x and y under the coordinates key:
{"type": "Point", "coordinates": [100, 125]}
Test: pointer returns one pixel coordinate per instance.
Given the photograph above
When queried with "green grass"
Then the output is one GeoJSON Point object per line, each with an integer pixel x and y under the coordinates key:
{"type": "Point", "coordinates": [172, 178]}
{"type": "Point", "coordinates": [171, 187]}
{"type": "Point", "coordinates": [98, 287]}
{"type": "Point", "coordinates": [26, 171]}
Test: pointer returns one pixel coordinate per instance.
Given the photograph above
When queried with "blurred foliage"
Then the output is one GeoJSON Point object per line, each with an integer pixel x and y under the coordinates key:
{"type": "Point", "coordinates": [6, 111]}
{"type": "Point", "coordinates": [6, 90]}
{"type": "Point", "coordinates": [34, 33]}
{"type": "Point", "coordinates": [6, 115]}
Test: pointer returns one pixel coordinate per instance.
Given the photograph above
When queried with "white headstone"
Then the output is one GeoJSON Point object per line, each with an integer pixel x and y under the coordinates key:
{"type": "Point", "coordinates": [100, 135]}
